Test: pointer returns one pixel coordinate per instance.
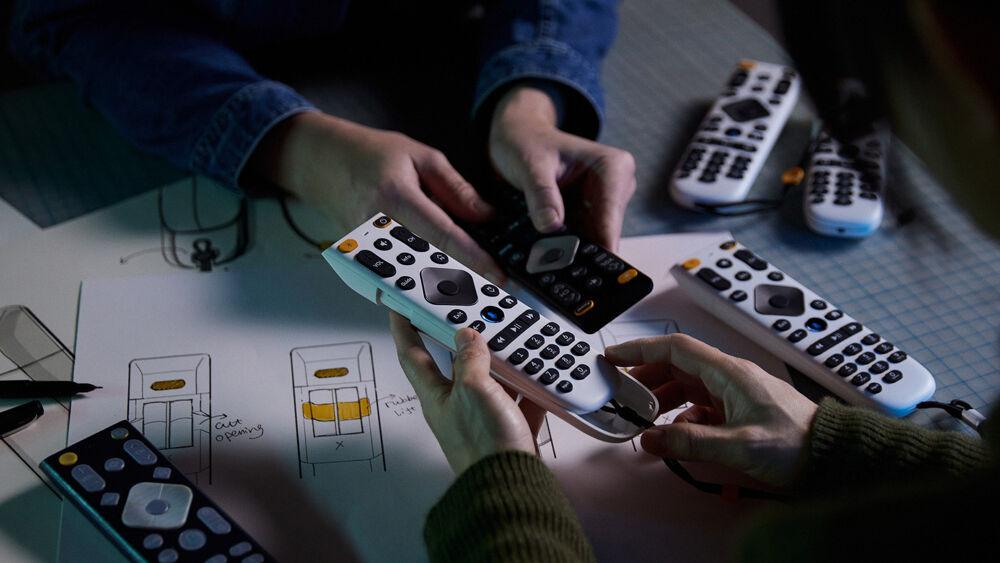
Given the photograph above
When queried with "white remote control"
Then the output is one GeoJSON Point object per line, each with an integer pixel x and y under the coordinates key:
{"type": "Point", "coordinates": [845, 185]}
{"type": "Point", "coordinates": [736, 136]}
{"type": "Point", "coordinates": [803, 329]}
{"type": "Point", "coordinates": [548, 362]}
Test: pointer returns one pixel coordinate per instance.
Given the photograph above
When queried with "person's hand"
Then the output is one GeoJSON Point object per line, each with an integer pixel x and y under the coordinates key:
{"type": "Point", "coordinates": [472, 416]}
{"type": "Point", "coordinates": [350, 171]}
{"type": "Point", "coordinates": [742, 417]}
{"type": "Point", "coordinates": [533, 155]}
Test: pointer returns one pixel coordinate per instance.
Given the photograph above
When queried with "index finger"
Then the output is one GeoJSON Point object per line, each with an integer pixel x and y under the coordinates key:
{"type": "Point", "coordinates": [691, 356]}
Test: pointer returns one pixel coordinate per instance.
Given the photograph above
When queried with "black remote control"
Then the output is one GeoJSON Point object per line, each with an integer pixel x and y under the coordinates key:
{"type": "Point", "coordinates": [143, 504]}
{"type": "Point", "coordinates": [585, 282]}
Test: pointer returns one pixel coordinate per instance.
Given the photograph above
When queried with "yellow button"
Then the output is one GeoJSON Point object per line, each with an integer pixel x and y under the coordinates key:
{"type": "Point", "coordinates": [68, 458]}
{"type": "Point", "coordinates": [627, 276]}
{"type": "Point", "coordinates": [347, 246]}
{"type": "Point", "coordinates": [382, 222]}
{"type": "Point", "coordinates": [582, 309]}
{"type": "Point", "coordinates": [690, 263]}
{"type": "Point", "coordinates": [728, 245]}
{"type": "Point", "coordinates": [747, 64]}
{"type": "Point", "coordinates": [793, 176]}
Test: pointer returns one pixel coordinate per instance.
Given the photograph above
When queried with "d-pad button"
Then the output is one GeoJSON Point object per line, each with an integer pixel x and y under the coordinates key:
{"type": "Point", "coordinates": [448, 286]}
{"type": "Point", "coordinates": [778, 300]}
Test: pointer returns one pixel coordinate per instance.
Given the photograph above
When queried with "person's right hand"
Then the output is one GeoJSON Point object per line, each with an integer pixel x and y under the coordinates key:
{"type": "Point", "coordinates": [742, 417]}
{"type": "Point", "coordinates": [350, 172]}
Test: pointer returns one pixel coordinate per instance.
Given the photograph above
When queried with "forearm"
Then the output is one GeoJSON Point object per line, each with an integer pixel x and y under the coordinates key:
{"type": "Point", "coordinates": [164, 79]}
{"type": "Point", "coordinates": [849, 448]}
{"type": "Point", "coordinates": [559, 43]}
{"type": "Point", "coordinates": [506, 507]}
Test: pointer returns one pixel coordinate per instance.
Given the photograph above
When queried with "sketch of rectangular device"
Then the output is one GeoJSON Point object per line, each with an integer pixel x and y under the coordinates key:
{"type": "Point", "coordinates": [336, 408]}
{"type": "Point", "coordinates": [170, 401]}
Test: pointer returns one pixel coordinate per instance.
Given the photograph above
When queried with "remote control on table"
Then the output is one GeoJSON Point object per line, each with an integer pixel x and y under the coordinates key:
{"type": "Point", "coordinates": [143, 504]}
{"type": "Point", "coordinates": [547, 362]}
{"type": "Point", "coordinates": [855, 174]}
{"type": "Point", "coordinates": [803, 329]}
{"type": "Point", "coordinates": [585, 282]}
{"type": "Point", "coordinates": [736, 136]}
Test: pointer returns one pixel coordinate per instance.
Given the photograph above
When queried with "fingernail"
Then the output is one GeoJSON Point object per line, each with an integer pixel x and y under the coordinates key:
{"type": "Point", "coordinates": [464, 338]}
{"type": "Point", "coordinates": [650, 440]}
{"type": "Point", "coordinates": [546, 219]}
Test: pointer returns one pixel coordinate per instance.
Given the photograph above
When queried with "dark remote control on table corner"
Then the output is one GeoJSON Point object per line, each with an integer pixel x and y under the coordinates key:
{"type": "Point", "coordinates": [585, 282]}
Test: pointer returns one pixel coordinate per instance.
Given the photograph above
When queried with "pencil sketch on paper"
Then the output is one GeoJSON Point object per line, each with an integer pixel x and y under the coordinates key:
{"type": "Point", "coordinates": [170, 402]}
{"type": "Point", "coordinates": [336, 408]}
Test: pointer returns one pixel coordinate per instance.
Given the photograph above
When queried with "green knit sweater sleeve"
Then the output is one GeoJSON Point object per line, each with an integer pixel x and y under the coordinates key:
{"type": "Point", "coordinates": [849, 447]}
{"type": "Point", "coordinates": [506, 507]}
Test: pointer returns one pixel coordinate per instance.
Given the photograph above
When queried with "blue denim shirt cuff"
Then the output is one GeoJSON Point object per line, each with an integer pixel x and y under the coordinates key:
{"type": "Point", "coordinates": [239, 125]}
{"type": "Point", "coordinates": [544, 59]}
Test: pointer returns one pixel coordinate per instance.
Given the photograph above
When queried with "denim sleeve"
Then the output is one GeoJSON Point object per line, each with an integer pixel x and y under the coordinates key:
{"type": "Point", "coordinates": [561, 42]}
{"type": "Point", "coordinates": [166, 79]}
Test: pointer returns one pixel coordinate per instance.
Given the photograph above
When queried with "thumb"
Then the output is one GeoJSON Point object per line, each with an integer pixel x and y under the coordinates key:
{"type": "Point", "coordinates": [538, 182]}
{"type": "Point", "coordinates": [692, 442]}
{"type": "Point", "coordinates": [472, 358]}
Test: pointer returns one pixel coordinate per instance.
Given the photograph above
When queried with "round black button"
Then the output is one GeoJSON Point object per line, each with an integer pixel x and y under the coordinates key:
{"type": "Point", "coordinates": [405, 283]}
{"type": "Point", "coordinates": [447, 287]}
{"type": "Point", "coordinates": [578, 272]}
{"type": "Point", "coordinates": [457, 316]}
{"type": "Point", "coordinates": [518, 356]}
{"type": "Point", "coordinates": [579, 372]}
{"type": "Point", "coordinates": [565, 339]}
{"type": "Point", "coordinates": [535, 342]}
{"type": "Point", "coordinates": [874, 388]}
{"type": "Point", "coordinates": [382, 222]}
{"type": "Point", "coordinates": [550, 329]}
{"type": "Point", "coordinates": [775, 276]}
{"type": "Point", "coordinates": [743, 275]}
{"type": "Point", "coordinates": [478, 326]}
{"type": "Point", "coordinates": [589, 248]}
{"type": "Point", "coordinates": [781, 325]}
{"type": "Point", "coordinates": [564, 386]}
{"type": "Point", "coordinates": [507, 302]}
{"type": "Point", "coordinates": [516, 258]}
{"type": "Point", "coordinates": [490, 290]}
{"type": "Point", "coordinates": [439, 258]}
{"type": "Point", "coordinates": [778, 301]}
{"type": "Point", "coordinates": [549, 352]}
{"type": "Point", "coordinates": [548, 377]}
{"type": "Point", "coordinates": [491, 314]}
{"type": "Point", "coordinates": [816, 325]}
{"type": "Point", "coordinates": [383, 244]}
{"type": "Point", "coordinates": [732, 132]}
{"type": "Point", "coordinates": [834, 315]}
{"type": "Point", "coordinates": [852, 349]}
{"type": "Point", "coordinates": [405, 258]}
{"type": "Point", "coordinates": [738, 295]}
{"type": "Point", "coordinates": [546, 280]}
{"type": "Point", "coordinates": [818, 304]}
{"type": "Point", "coordinates": [593, 283]}
{"type": "Point", "coordinates": [723, 263]}
{"type": "Point", "coordinates": [580, 348]}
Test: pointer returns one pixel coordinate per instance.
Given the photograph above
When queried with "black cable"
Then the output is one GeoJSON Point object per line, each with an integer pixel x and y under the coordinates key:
{"type": "Point", "coordinates": [726, 491]}
{"type": "Point", "coordinates": [958, 409]}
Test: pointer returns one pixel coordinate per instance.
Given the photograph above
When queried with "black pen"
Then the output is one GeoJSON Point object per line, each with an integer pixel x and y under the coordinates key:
{"type": "Point", "coordinates": [12, 420]}
{"type": "Point", "coordinates": [26, 388]}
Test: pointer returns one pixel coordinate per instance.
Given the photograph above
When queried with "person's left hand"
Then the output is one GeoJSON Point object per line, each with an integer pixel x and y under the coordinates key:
{"type": "Point", "coordinates": [472, 416]}
{"type": "Point", "coordinates": [529, 151]}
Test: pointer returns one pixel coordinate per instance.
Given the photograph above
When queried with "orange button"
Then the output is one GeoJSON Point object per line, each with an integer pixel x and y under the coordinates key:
{"type": "Point", "coordinates": [627, 276]}
{"type": "Point", "coordinates": [347, 246]}
{"type": "Point", "coordinates": [747, 64]}
{"type": "Point", "coordinates": [68, 458]}
{"type": "Point", "coordinates": [793, 176]}
{"type": "Point", "coordinates": [690, 263]}
{"type": "Point", "coordinates": [728, 245]}
{"type": "Point", "coordinates": [382, 222]}
{"type": "Point", "coordinates": [584, 307]}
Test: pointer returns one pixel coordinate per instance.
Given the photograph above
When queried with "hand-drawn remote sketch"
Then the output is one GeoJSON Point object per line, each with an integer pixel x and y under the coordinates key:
{"type": "Point", "coordinates": [336, 408]}
{"type": "Point", "coordinates": [623, 331]}
{"type": "Point", "coordinates": [544, 439]}
{"type": "Point", "coordinates": [169, 401]}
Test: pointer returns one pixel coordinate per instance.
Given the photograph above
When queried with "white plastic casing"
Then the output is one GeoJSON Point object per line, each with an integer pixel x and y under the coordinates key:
{"type": "Point", "coordinates": [898, 398]}
{"type": "Point", "coordinates": [736, 134]}
{"type": "Point", "coordinates": [845, 185]}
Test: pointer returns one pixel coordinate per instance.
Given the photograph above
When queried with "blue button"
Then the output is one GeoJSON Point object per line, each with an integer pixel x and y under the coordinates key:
{"type": "Point", "coordinates": [192, 539]}
{"type": "Point", "coordinates": [157, 506]}
{"type": "Point", "coordinates": [255, 558]}
{"type": "Point", "coordinates": [114, 464]}
{"type": "Point", "coordinates": [218, 558]}
{"type": "Point", "coordinates": [110, 499]}
{"type": "Point", "coordinates": [88, 478]}
{"type": "Point", "coordinates": [816, 325]}
{"type": "Point", "coordinates": [119, 433]}
{"type": "Point", "coordinates": [161, 473]}
{"type": "Point", "coordinates": [152, 541]}
{"type": "Point", "coordinates": [168, 556]}
{"type": "Point", "coordinates": [241, 548]}
{"type": "Point", "coordinates": [139, 452]}
{"type": "Point", "coordinates": [492, 314]}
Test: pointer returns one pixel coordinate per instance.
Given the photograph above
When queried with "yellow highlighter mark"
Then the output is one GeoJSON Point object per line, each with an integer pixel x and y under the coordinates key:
{"type": "Point", "coordinates": [348, 410]}
{"type": "Point", "coordinates": [330, 372]}
{"type": "Point", "coordinates": [167, 384]}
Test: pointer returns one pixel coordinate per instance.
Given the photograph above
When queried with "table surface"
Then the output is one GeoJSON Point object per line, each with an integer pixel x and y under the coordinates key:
{"type": "Point", "coordinates": [932, 285]}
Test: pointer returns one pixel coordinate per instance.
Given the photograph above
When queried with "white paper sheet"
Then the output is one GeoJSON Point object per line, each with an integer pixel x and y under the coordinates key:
{"type": "Point", "coordinates": [13, 225]}
{"type": "Point", "coordinates": [279, 475]}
